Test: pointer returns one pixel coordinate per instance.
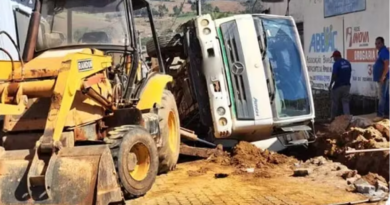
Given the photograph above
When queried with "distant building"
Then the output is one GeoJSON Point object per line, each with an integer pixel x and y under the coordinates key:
{"type": "Point", "coordinates": [348, 26]}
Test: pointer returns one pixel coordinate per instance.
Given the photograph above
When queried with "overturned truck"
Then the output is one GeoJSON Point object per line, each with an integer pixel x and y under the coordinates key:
{"type": "Point", "coordinates": [241, 78]}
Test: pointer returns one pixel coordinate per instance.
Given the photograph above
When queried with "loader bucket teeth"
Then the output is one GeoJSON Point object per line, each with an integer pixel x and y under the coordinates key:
{"type": "Point", "coordinates": [73, 176]}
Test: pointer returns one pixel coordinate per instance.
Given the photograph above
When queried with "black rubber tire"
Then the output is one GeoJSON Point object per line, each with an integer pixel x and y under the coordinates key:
{"type": "Point", "coordinates": [168, 44]}
{"type": "Point", "coordinates": [131, 187]}
{"type": "Point", "coordinates": [168, 158]}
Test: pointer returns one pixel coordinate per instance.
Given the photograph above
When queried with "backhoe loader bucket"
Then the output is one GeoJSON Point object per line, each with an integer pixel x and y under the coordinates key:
{"type": "Point", "coordinates": [78, 175]}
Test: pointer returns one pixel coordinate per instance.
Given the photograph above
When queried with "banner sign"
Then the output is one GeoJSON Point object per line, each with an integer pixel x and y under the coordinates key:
{"type": "Point", "coordinates": [339, 7]}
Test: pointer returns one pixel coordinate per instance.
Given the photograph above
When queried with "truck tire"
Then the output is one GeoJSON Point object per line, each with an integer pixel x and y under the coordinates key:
{"type": "Point", "coordinates": [169, 132]}
{"type": "Point", "coordinates": [168, 44]}
{"type": "Point", "coordinates": [137, 179]}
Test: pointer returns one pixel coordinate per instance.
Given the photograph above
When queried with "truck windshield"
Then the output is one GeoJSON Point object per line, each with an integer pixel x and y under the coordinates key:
{"type": "Point", "coordinates": [73, 22]}
{"type": "Point", "coordinates": [283, 52]}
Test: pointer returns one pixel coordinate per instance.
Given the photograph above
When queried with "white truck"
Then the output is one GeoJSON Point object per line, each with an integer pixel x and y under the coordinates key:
{"type": "Point", "coordinates": [243, 78]}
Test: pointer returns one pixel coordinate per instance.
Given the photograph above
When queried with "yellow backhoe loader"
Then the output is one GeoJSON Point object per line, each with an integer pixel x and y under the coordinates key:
{"type": "Point", "coordinates": [81, 125]}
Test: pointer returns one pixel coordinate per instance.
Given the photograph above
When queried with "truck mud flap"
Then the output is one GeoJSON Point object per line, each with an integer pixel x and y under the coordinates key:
{"type": "Point", "coordinates": [78, 175]}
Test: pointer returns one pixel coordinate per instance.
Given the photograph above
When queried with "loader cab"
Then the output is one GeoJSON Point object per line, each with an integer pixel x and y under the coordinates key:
{"type": "Point", "coordinates": [72, 23]}
{"type": "Point", "coordinates": [106, 25]}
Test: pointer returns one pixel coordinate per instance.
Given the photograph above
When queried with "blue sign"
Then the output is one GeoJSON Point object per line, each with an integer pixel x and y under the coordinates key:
{"type": "Point", "coordinates": [339, 7]}
{"type": "Point", "coordinates": [323, 42]}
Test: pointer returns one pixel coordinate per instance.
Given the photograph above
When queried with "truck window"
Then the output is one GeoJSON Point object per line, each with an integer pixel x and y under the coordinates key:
{"type": "Point", "coordinates": [284, 54]}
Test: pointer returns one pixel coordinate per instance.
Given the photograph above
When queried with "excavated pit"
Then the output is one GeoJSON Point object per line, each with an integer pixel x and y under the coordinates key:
{"type": "Point", "coordinates": [353, 133]}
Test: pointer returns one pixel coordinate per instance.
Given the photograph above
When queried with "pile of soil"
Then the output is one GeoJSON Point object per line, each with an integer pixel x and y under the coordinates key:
{"type": "Point", "coordinates": [247, 158]}
{"type": "Point", "coordinates": [346, 133]}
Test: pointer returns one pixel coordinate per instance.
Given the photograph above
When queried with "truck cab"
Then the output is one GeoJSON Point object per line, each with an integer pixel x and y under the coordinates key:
{"type": "Point", "coordinates": [247, 76]}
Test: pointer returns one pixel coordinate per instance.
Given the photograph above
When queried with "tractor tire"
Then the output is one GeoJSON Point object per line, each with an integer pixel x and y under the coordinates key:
{"type": "Point", "coordinates": [169, 44]}
{"type": "Point", "coordinates": [169, 132]}
{"type": "Point", "coordinates": [137, 179]}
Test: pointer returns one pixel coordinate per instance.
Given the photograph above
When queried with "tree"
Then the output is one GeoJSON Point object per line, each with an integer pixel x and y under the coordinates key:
{"type": "Point", "coordinates": [155, 12]}
{"type": "Point", "coordinates": [207, 8]}
{"type": "Point", "coordinates": [216, 9]}
{"type": "Point", "coordinates": [162, 9]}
{"type": "Point", "coordinates": [176, 10]}
{"type": "Point", "coordinates": [193, 6]}
{"type": "Point", "coordinates": [253, 6]}
{"type": "Point", "coordinates": [219, 15]}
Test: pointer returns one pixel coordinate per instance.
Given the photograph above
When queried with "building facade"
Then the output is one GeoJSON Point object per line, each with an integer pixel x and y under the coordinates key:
{"type": "Point", "coordinates": [350, 26]}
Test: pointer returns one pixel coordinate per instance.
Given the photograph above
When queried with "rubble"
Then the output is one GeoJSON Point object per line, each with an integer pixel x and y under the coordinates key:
{"type": "Point", "coordinates": [220, 175]}
{"type": "Point", "coordinates": [381, 186]}
{"type": "Point", "coordinates": [352, 180]}
{"type": "Point", "coordinates": [363, 187]}
{"type": "Point", "coordinates": [202, 152]}
{"type": "Point", "coordinates": [349, 174]}
{"type": "Point", "coordinates": [354, 133]}
{"type": "Point", "coordinates": [301, 172]}
{"type": "Point", "coordinates": [248, 159]}
{"type": "Point", "coordinates": [199, 172]}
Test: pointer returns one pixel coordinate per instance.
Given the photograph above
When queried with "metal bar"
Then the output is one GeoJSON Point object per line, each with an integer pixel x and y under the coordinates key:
{"type": "Point", "coordinates": [192, 136]}
{"type": "Point", "coordinates": [367, 150]}
{"type": "Point", "coordinates": [32, 32]}
{"type": "Point", "coordinates": [188, 135]}
{"type": "Point", "coordinates": [155, 39]}
{"type": "Point", "coordinates": [135, 57]}
{"type": "Point", "coordinates": [99, 99]}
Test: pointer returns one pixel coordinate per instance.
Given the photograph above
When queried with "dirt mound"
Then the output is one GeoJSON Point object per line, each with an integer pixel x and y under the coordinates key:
{"type": "Point", "coordinates": [246, 155]}
{"type": "Point", "coordinates": [340, 124]}
{"type": "Point", "coordinates": [247, 158]}
{"type": "Point", "coordinates": [373, 178]}
{"type": "Point", "coordinates": [358, 134]}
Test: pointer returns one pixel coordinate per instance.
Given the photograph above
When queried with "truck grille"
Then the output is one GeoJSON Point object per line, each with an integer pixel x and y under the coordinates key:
{"type": "Point", "coordinates": [238, 71]}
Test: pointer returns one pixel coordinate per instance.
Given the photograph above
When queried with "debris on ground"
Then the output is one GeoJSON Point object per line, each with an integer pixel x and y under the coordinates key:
{"type": "Point", "coordinates": [199, 172]}
{"type": "Point", "coordinates": [340, 124]}
{"type": "Point", "coordinates": [358, 134]}
{"type": "Point", "coordinates": [323, 170]}
{"type": "Point", "coordinates": [220, 175]}
{"type": "Point", "coordinates": [247, 158]}
{"type": "Point", "coordinates": [202, 152]}
{"type": "Point", "coordinates": [374, 178]}
{"type": "Point", "coordinates": [363, 187]}
{"type": "Point", "coordinates": [301, 172]}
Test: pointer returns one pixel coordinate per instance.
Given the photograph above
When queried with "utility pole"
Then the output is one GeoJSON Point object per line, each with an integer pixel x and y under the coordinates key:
{"type": "Point", "coordinates": [199, 7]}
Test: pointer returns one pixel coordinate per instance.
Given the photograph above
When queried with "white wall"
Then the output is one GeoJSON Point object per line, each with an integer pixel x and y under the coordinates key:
{"type": "Point", "coordinates": [335, 33]}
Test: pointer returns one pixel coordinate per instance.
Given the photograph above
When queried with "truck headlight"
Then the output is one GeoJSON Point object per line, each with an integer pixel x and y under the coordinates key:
{"type": "Point", "coordinates": [221, 111]}
{"type": "Point", "coordinates": [222, 121]}
{"type": "Point", "coordinates": [204, 22]}
{"type": "Point", "coordinates": [206, 31]}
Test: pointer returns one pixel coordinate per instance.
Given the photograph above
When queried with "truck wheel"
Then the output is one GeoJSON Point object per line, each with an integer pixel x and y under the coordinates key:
{"type": "Point", "coordinates": [170, 133]}
{"type": "Point", "coordinates": [168, 44]}
{"type": "Point", "coordinates": [137, 162]}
